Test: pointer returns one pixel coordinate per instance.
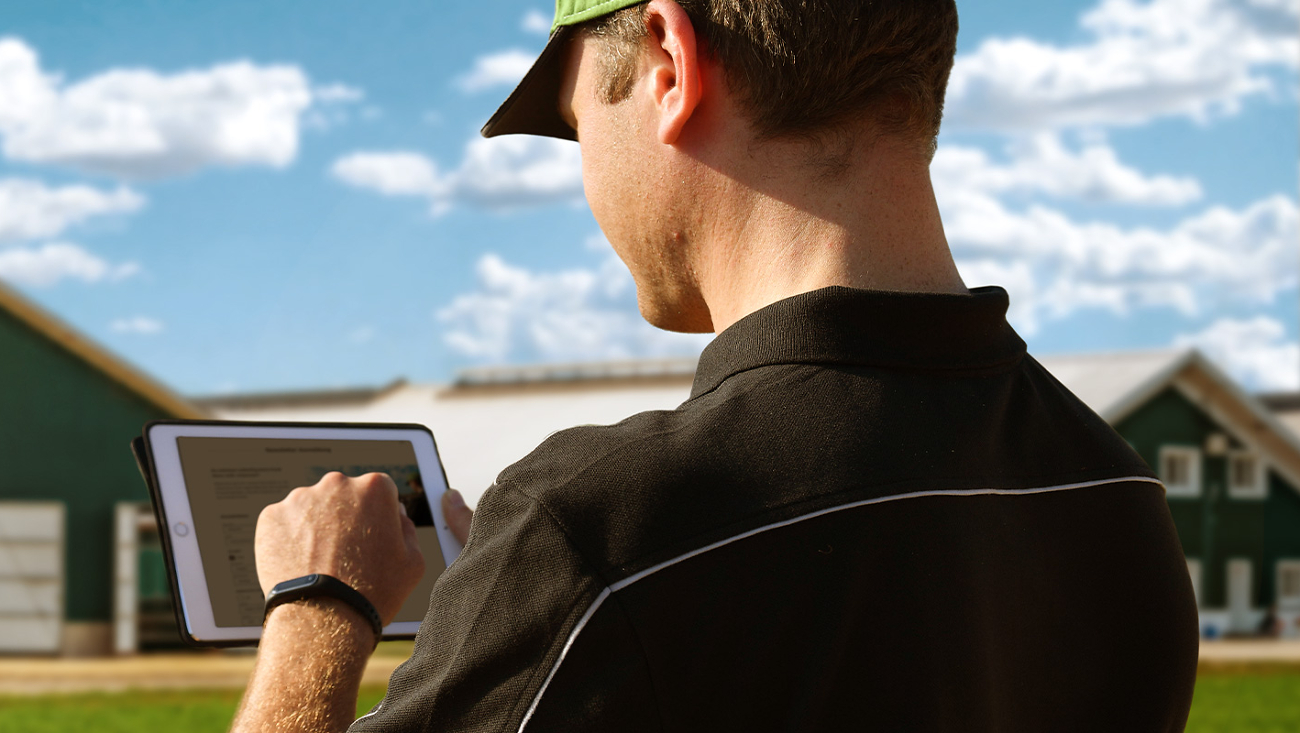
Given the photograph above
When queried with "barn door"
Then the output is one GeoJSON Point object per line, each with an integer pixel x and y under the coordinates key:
{"type": "Point", "coordinates": [31, 576]}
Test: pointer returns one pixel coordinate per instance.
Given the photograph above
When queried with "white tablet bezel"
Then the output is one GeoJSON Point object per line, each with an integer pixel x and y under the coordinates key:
{"type": "Point", "coordinates": [191, 579]}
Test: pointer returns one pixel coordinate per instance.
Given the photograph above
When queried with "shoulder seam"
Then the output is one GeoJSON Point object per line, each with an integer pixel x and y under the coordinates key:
{"type": "Point", "coordinates": [598, 581]}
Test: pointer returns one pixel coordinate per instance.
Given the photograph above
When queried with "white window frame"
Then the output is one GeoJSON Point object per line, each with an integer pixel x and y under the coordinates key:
{"type": "Point", "coordinates": [1284, 566]}
{"type": "Point", "coordinates": [1192, 488]}
{"type": "Point", "coordinates": [1258, 489]}
{"type": "Point", "coordinates": [1194, 571]}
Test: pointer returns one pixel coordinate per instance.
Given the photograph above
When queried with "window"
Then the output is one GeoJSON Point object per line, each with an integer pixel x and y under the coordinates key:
{"type": "Point", "coordinates": [1288, 583]}
{"type": "Point", "coordinates": [1180, 470]}
{"type": "Point", "coordinates": [1246, 476]}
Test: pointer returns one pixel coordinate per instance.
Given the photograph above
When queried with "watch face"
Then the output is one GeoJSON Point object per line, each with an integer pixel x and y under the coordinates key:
{"type": "Point", "coordinates": [305, 581]}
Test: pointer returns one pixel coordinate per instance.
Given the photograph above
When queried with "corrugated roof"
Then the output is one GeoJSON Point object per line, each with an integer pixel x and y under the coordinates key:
{"type": "Point", "coordinates": [575, 372]}
{"type": "Point", "coordinates": [340, 397]}
{"type": "Point", "coordinates": [1113, 381]}
{"type": "Point", "coordinates": [1281, 401]}
{"type": "Point", "coordinates": [1285, 406]}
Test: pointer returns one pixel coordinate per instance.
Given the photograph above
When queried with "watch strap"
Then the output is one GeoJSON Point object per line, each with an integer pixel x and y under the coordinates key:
{"type": "Point", "coordinates": [319, 585]}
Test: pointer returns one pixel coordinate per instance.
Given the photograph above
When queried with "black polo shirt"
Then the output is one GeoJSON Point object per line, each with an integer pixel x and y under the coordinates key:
{"type": "Point", "coordinates": [875, 512]}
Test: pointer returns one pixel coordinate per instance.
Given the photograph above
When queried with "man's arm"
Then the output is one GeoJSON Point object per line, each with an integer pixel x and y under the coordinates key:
{"type": "Point", "coordinates": [308, 671]}
{"type": "Point", "coordinates": [312, 654]}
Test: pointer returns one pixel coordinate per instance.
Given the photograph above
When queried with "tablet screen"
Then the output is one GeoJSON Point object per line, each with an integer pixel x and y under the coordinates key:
{"type": "Point", "coordinates": [230, 480]}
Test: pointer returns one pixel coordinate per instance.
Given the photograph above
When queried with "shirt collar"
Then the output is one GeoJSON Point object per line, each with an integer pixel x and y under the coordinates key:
{"type": "Point", "coordinates": [839, 325]}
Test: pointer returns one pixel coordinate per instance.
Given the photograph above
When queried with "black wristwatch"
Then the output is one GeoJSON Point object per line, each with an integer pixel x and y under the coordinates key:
{"type": "Point", "coordinates": [318, 585]}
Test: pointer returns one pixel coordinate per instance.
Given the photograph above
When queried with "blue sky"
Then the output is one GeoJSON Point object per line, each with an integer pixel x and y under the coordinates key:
{"type": "Point", "coordinates": [244, 196]}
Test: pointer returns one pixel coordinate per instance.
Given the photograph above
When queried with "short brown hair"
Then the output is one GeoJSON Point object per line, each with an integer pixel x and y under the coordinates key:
{"type": "Point", "coordinates": [802, 66]}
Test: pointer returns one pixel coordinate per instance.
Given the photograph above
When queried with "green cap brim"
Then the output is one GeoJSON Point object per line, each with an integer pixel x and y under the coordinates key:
{"type": "Point", "coordinates": [533, 108]}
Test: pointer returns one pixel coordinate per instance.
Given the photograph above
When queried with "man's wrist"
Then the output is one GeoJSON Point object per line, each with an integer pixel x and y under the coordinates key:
{"type": "Point", "coordinates": [333, 621]}
{"type": "Point", "coordinates": [310, 663]}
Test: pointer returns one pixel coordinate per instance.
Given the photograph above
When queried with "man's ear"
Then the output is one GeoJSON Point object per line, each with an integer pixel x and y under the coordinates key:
{"type": "Point", "coordinates": [674, 67]}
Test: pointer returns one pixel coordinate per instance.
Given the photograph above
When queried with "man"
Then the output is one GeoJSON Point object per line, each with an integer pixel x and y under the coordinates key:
{"type": "Point", "coordinates": [875, 511]}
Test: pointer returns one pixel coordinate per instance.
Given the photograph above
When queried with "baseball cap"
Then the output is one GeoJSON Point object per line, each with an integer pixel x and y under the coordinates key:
{"type": "Point", "coordinates": [533, 108]}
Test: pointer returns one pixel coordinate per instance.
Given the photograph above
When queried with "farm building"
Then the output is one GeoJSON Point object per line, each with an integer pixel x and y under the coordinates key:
{"type": "Point", "coordinates": [1231, 470]}
{"type": "Point", "coordinates": [71, 525]}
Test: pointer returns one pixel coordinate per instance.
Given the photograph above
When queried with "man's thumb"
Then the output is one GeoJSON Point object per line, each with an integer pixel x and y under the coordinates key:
{"type": "Point", "coordinates": [458, 514]}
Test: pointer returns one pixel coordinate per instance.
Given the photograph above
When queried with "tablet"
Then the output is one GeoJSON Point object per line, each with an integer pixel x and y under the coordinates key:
{"type": "Point", "coordinates": [211, 479]}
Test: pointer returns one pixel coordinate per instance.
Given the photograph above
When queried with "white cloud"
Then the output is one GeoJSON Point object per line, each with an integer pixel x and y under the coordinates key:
{"type": "Point", "coordinates": [504, 68]}
{"type": "Point", "coordinates": [331, 106]}
{"type": "Point", "coordinates": [1137, 62]}
{"type": "Point", "coordinates": [519, 170]}
{"type": "Point", "coordinates": [1193, 58]}
{"type": "Point", "coordinates": [1255, 351]}
{"type": "Point", "coordinates": [498, 173]}
{"type": "Point", "coordinates": [30, 210]}
{"type": "Point", "coordinates": [136, 325]}
{"type": "Point", "coordinates": [338, 94]}
{"type": "Point", "coordinates": [138, 123]}
{"type": "Point", "coordinates": [392, 174]}
{"type": "Point", "coordinates": [569, 315]}
{"type": "Point", "coordinates": [1042, 164]}
{"type": "Point", "coordinates": [535, 21]}
{"type": "Point", "coordinates": [1058, 266]}
{"type": "Point", "coordinates": [59, 261]}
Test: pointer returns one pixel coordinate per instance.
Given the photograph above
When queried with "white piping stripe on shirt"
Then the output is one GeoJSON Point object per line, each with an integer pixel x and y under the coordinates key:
{"type": "Point", "coordinates": [367, 715]}
{"type": "Point", "coordinates": [620, 585]}
{"type": "Point", "coordinates": [573, 635]}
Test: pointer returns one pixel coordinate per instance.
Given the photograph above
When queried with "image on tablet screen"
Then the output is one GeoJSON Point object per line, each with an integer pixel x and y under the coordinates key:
{"type": "Point", "coordinates": [230, 480]}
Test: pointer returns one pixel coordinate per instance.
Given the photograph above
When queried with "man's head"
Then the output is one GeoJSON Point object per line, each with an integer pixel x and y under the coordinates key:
{"type": "Point", "coordinates": [798, 67]}
{"type": "Point", "coordinates": [709, 126]}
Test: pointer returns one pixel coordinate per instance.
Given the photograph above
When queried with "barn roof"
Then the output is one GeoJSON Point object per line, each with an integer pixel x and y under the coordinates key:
{"type": "Point", "coordinates": [96, 356]}
{"type": "Point", "coordinates": [1116, 384]}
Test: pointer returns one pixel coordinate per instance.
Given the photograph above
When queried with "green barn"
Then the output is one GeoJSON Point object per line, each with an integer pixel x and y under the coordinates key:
{"type": "Point", "coordinates": [1231, 471]}
{"type": "Point", "coordinates": [77, 552]}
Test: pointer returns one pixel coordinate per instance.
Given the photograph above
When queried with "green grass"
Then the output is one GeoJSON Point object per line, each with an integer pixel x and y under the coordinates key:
{"type": "Point", "coordinates": [192, 711]}
{"type": "Point", "coordinates": [1229, 699]}
{"type": "Point", "coordinates": [1246, 698]}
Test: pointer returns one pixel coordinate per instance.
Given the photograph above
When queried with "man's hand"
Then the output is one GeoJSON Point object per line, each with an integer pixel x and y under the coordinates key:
{"type": "Point", "coordinates": [352, 528]}
{"type": "Point", "coordinates": [312, 654]}
{"type": "Point", "coordinates": [458, 515]}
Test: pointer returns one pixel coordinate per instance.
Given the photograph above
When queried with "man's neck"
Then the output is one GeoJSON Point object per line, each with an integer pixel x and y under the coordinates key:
{"type": "Point", "coordinates": [785, 228]}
